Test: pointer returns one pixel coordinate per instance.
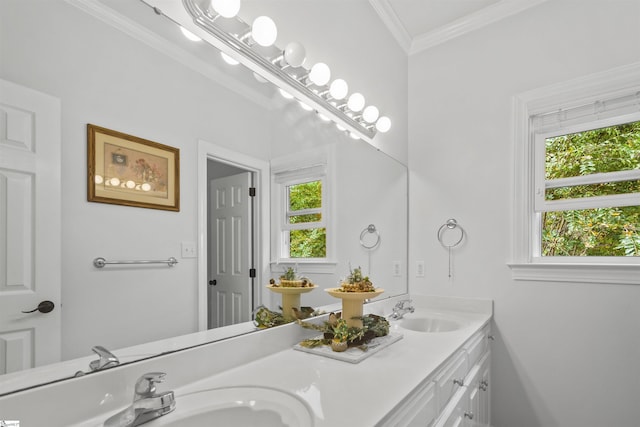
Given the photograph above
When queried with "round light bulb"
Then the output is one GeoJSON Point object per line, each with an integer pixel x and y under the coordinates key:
{"type": "Point", "coordinates": [294, 54]}
{"type": "Point", "coordinates": [305, 106]}
{"type": "Point", "coordinates": [259, 78]}
{"type": "Point", "coordinates": [383, 124]}
{"type": "Point", "coordinates": [145, 187]}
{"type": "Point", "coordinates": [130, 184]}
{"type": "Point", "coordinates": [320, 74]}
{"type": "Point", "coordinates": [226, 8]}
{"type": "Point", "coordinates": [340, 127]}
{"type": "Point", "coordinates": [370, 114]}
{"type": "Point", "coordinates": [114, 182]}
{"type": "Point", "coordinates": [98, 179]}
{"type": "Point", "coordinates": [229, 60]}
{"type": "Point", "coordinates": [356, 102]}
{"type": "Point", "coordinates": [285, 94]}
{"type": "Point", "coordinates": [338, 89]}
{"type": "Point", "coordinates": [188, 34]}
{"type": "Point", "coordinates": [264, 31]}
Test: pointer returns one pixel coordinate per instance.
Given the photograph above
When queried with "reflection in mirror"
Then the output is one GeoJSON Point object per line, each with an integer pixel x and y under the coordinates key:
{"type": "Point", "coordinates": [120, 66]}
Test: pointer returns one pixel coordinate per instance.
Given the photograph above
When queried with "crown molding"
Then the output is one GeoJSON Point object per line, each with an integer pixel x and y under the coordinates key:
{"type": "Point", "coordinates": [122, 23]}
{"type": "Point", "coordinates": [393, 23]}
{"type": "Point", "coordinates": [474, 21]}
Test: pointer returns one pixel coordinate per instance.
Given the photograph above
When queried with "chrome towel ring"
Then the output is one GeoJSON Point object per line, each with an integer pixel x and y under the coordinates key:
{"type": "Point", "coordinates": [371, 229]}
{"type": "Point", "coordinates": [451, 224]}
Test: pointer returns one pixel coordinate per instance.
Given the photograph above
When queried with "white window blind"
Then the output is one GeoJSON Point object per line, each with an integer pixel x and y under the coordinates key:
{"type": "Point", "coordinates": [612, 111]}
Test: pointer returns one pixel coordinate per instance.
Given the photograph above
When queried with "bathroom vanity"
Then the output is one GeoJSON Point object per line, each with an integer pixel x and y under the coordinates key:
{"type": "Point", "coordinates": [437, 374]}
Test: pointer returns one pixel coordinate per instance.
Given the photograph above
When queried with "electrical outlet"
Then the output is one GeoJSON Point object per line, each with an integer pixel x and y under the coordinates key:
{"type": "Point", "coordinates": [189, 250]}
{"type": "Point", "coordinates": [419, 268]}
{"type": "Point", "coordinates": [397, 268]}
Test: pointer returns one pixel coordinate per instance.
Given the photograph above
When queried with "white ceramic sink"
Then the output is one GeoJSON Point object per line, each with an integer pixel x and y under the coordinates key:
{"type": "Point", "coordinates": [242, 406]}
{"type": "Point", "coordinates": [430, 323]}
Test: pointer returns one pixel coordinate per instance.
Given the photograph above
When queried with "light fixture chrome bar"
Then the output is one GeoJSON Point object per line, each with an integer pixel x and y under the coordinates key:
{"type": "Point", "coordinates": [243, 53]}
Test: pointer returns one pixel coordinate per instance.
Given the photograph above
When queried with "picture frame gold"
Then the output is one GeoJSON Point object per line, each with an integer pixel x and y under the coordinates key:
{"type": "Point", "coordinates": [131, 171]}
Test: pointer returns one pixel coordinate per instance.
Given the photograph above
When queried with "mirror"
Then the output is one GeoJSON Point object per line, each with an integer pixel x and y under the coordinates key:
{"type": "Point", "coordinates": [120, 66]}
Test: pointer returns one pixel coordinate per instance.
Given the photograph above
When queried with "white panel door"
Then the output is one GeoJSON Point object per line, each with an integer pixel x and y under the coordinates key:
{"type": "Point", "coordinates": [231, 228]}
{"type": "Point", "coordinates": [30, 224]}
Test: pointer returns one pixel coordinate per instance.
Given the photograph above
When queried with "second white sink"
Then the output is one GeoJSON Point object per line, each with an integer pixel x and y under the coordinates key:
{"type": "Point", "coordinates": [428, 323]}
{"type": "Point", "coordinates": [237, 406]}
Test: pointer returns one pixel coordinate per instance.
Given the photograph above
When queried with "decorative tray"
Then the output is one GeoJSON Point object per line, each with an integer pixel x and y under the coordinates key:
{"type": "Point", "coordinates": [352, 354]}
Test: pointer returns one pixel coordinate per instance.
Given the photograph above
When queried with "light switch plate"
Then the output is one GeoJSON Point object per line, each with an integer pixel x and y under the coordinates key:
{"type": "Point", "coordinates": [419, 268]}
{"type": "Point", "coordinates": [189, 250]}
{"type": "Point", "coordinates": [397, 268]}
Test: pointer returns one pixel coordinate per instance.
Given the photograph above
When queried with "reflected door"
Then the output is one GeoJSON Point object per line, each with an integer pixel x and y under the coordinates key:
{"type": "Point", "coordinates": [230, 257]}
{"type": "Point", "coordinates": [30, 224]}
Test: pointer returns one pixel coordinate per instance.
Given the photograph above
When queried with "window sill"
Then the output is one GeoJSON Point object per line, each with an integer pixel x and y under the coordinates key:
{"type": "Point", "coordinates": [620, 274]}
{"type": "Point", "coordinates": [305, 266]}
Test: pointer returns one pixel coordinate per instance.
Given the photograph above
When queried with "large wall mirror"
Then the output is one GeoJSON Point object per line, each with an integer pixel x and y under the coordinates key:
{"type": "Point", "coordinates": [119, 65]}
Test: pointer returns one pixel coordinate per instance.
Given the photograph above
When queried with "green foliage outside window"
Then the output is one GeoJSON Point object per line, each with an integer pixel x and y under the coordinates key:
{"type": "Point", "coordinates": [310, 242]}
{"type": "Point", "coordinates": [611, 231]}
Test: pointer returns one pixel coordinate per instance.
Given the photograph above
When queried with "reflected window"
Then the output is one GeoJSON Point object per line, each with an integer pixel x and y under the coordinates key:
{"type": "Point", "coordinates": [304, 232]}
{"type": "Point", "coordinates": [301, 214]}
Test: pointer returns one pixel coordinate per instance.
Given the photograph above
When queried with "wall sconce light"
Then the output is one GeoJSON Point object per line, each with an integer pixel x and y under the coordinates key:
{"type": "Point", "coordinates": [285, 67]}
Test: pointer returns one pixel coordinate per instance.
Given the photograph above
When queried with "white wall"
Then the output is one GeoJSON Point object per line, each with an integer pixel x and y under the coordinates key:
{"type": "Point", "coordinates": [565, 354]}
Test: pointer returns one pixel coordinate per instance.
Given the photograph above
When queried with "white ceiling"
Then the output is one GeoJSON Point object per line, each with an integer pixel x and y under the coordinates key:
{"type": "Point", "coordinates": [420, 24]}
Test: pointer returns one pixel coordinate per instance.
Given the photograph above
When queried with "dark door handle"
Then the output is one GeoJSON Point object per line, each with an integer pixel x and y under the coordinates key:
{"type": "Point", "coordinates": [43, 307]}
{"type": "Point", "coordinates": [213, 282]}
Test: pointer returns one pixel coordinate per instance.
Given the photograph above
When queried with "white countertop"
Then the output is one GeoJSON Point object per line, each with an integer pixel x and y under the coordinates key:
{"type": "Point", "coordinates": [337, 392]}
{"type": "Point", "coordinates": [342, 393]}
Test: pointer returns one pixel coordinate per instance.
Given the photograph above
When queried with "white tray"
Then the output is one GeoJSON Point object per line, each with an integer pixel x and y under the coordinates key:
{"type": "Point", "coordinates": [352, 354]}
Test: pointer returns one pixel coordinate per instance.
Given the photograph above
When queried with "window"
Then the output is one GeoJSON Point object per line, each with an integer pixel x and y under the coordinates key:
{"type": "Point", "coordinates": [300, 214]}
{"type": "Point", "coordinates": [304, 233]}
{"type": "Point", "coordinates": [588, 191]}
{"type": "Point", "coordinates": [577, 180]}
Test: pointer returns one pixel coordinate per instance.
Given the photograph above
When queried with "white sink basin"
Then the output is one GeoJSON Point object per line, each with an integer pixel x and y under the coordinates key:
{"type": "Point", "coordinates": [242, 406]}
{"type": "Point", "coordinates": [423, 323]}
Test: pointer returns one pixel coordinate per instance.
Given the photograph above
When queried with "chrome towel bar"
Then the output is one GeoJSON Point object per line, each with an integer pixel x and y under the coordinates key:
{"type": "Point", "coordinates": [101, 262]}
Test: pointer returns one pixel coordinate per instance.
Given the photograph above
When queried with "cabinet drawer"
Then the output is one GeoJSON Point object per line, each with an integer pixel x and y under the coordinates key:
{"type": "Point", "coordinates": [476, 345]}
{"type": "Point", "coordinates": [449, 378]}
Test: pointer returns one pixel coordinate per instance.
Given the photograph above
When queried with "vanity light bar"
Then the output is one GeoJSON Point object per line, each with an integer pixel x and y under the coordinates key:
{"type": "Point", "coordinates": [238, 49]}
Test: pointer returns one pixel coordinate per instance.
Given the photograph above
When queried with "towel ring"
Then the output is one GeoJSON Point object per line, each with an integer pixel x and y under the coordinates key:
{"type": "Point", "coordinates": [371, 229]}
{"type": "Point", "coordinates": [450, 225]}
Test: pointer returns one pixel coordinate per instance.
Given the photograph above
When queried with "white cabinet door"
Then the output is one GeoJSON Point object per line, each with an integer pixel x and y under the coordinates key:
{"type": "Point", "coordinates": [484, 400]}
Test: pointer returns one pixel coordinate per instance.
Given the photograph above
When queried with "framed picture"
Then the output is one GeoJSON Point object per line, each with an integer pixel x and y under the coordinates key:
{"type": "Point", "coordinates": [131, 171]}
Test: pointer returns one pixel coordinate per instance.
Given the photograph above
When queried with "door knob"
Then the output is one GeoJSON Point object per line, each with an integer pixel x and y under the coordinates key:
{"type": "Point", "coordinates": [43, 307]}
{"type": "Point", "coordinates": [213, 282]}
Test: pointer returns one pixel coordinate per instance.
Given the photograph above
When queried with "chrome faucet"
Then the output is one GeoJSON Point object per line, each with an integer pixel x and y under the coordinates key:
{"type": "Point", "coordinates": [147, 404]}
{"type": "Point", "coordinates": [401, 308]}
{"type": "Point", "coordinates": [107, 359]}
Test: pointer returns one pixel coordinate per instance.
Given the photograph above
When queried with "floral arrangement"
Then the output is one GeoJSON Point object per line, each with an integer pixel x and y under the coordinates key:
{"type": "Point", "coordinates": [265, 318]}
{"type": "Point", "coordinates": [356, 282]}
{"type": "Point", "coordinates": [290, 279]}
{"type": "Point", "coordinates": [335, 330]}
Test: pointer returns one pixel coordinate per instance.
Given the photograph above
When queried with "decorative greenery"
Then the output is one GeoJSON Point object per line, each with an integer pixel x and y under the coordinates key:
{"type": "Point", "coordinates": [613, 231]}
{"type": "Point", "coordinates": [290, 278]}
{"type": "Point", "coordinates": [265, 318]}
{"type": "Point", "coordinates": [337, 329]}
{"type": "Point", "coordinates": [355, 282]}
{"type": "Point", "coordinates": [289, 274]}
